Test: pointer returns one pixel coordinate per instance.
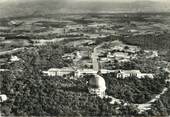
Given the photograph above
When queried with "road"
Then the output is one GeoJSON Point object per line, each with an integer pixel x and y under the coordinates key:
{"type": "Point", "coordinates": [95, 62]}
{"type": "Point", "coordinates": [9, 52]}
{"type": "Point", "coordinates": [141, 107]}
{"type": "Point", "coordinates": [147, 106]}
{"type": "Point", "coordinates": [95, 58]}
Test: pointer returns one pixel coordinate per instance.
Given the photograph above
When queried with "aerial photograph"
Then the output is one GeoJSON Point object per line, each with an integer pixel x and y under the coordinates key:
{"type": "Point", "coordinates": [85, 58]}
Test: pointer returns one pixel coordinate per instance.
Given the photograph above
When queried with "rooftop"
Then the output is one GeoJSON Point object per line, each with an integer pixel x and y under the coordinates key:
{"type": "Point", "coordinates": [97, 82]}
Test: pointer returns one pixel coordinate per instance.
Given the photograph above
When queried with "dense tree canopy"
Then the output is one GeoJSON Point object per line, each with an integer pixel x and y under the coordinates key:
{"type": "Point", "coordinates": [132, 89]}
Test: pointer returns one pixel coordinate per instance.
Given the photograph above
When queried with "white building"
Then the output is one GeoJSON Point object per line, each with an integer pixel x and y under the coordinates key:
{"type": "Point", "coordinates": [119, 46]}
{"type": "Point", "coordinates": [68, 56]}
{"type": "Point", "coordinates": [4, 70]}
{"type": "Point", "coordinates": [119, 55]}
{"type": "Point", "coordinates": [151, 54]}
{"type": "Point", "coordinates": [14, 58]}
{"type": "Point", "coordinates": [3, 98]}
{"type": "Point", "coordinates": [84, 72]}
{"type": "Point", "coordinates": [67, 71]}
{"type": "Point", "coordinates": [105, 71]}
{"type": "Point", "coordinates": [133, 73]}
{"type": "Point", "coordinates": [96, 85]}
{"type": "Point", "coordinates": [59, 71]}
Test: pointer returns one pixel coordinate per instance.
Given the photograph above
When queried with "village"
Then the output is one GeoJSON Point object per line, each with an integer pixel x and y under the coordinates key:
{"type": "Point", "coordinates": [118, 53]}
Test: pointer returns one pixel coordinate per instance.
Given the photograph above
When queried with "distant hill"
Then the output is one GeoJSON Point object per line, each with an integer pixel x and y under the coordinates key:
{"type": "Point", "coordinates": [53, 6]}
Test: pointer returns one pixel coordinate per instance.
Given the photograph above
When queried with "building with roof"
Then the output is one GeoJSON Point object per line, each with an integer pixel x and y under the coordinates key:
{"type": "Point", "coordinates": [14, 58]}
{"type": "Point", "coordinates": [59, 71]}
{"type": "Point", "coordinates": [3, 98]}
{"type": "Point", "coordinates": [97, 86]}
{"type": "Point", "coordinates": [133, 73]}
{"type": "Point", "coordinates": [84, 72]}
{"type": "Point", "coordinates": [118, 55]}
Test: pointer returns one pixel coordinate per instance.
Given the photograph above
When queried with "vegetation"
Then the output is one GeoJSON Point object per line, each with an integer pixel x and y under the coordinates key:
{"type": "Point", "coordinates": [132, 89]}
{"type": "Point", "coordinates": [31, 93]}
{"type": "Point", "coordinates": [45, 57]}
{"type": "Point", "coordinates": [159, 42]}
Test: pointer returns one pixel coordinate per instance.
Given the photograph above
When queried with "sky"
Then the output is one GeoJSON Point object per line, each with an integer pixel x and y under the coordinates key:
{"type": "Point", "coordinates": [124, 0]}
{"type": "Point", "coordinates": [27, 7]}
{"type": "Point", "coordinates": [1, 1]}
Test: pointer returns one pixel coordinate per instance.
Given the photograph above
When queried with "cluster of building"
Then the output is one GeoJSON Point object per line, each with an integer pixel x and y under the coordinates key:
{"type": "Point", "coordinates": [66, 71]}
{"type": "Point", "coordinates": [97, 84]}
{"type": "Point", "coordinates": [120, 52]}
{"type": "Point", "coordinates": [133, 73]}
{"type": "Point", "coordinates": [151, 53]}
{"type": "Point", "coordinates": [72, 56]}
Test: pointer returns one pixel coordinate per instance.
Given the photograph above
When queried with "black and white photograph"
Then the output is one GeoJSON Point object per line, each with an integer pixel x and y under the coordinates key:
{"type": "Point", "coordinates": [84, 58]}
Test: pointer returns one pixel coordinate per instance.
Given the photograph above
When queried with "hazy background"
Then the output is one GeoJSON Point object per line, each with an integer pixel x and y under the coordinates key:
{"type": "Point", "coordinates": [23, 7]}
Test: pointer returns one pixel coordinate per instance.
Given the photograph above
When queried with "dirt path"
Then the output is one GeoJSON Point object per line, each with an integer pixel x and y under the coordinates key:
{"type": "Point", "coordinates": [11, 51]}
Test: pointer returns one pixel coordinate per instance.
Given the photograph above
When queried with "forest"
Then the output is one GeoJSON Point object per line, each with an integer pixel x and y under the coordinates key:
{"type": "Point", "coordinates": [158, 42]}
{"type": "Point", "coordinates": [132, 89]}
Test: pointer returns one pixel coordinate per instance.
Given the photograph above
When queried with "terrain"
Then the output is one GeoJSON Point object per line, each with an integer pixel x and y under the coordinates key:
{"type": "Point", "coordinates": [31, 45]}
